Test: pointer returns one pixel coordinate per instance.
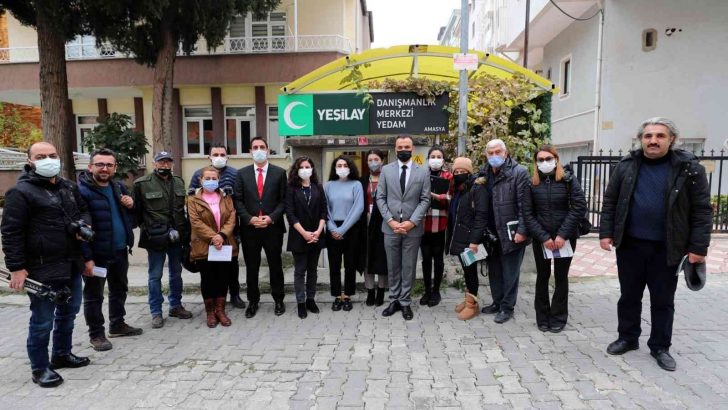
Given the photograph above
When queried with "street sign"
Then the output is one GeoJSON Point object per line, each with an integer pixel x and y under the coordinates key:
{"type": "Point", "coordinates": [465, 62]}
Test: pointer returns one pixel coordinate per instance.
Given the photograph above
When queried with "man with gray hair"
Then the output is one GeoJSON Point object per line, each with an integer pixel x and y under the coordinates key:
{"type": "Point", "coordinates": [656, 212]}
{"type": "Point", "coordinates": [507, 182]}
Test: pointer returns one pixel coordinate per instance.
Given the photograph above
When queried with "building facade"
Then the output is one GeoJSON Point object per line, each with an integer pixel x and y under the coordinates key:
{"type": "Point", "coordinates": [643, 59]}
{"type": "Point", "coordinates": [227, 95]}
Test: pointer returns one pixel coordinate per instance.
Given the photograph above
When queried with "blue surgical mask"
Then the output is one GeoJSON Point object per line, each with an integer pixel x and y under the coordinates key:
{"type": "Point", "coordinates": [47, 167]}
{"type": "Point", "coordinates": [496, 161]}
{"type": "Point", "coordinates": [259, 156]}
{"type": "Point", "coordinates": [210, 185]}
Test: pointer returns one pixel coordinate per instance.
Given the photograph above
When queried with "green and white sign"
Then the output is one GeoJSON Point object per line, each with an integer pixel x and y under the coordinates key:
{"type": "Point", "coordinates": [297, 114]}
{"type": "Point", "coordinates": [347, 114]}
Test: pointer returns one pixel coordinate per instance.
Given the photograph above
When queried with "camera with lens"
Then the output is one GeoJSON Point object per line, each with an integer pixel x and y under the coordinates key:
{"type": "Point", "coordinates": [490, 241]}
{"type": "Point", "coordinates": [173, 235]}
{"type": "Point", "coordinates": [82, 229]}
{"type": "Point", "coordinates": [228, 190]}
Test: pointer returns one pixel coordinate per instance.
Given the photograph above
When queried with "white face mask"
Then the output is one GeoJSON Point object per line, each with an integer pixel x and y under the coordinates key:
{"type": "Point", "coordinates": [47, 167]}
{"type": "Point", "coordinates": [547, 166]}
{"type": "Point", "coordinates": [260, 155]}
{"type": "Point", "coordinates": [219, 162]}
{"type": "Point", "coordinates": [436, 163]}
{"type": "Point", "coordinates": [342, 172]}
{"type": "Point", "coordinates": [305, 173]}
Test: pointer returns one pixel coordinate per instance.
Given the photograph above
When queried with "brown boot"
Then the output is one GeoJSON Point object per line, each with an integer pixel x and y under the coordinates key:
{"type": "Point", "coordinates": [220, 312]}
{"type": "Point", "coordinates": [210, 310]}
{"type": "Point", "coordinates": [471, 308]}
{"type": "Point", "coordinates": [460, 306]}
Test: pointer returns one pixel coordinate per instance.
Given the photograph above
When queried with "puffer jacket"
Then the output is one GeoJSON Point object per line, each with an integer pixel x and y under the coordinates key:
{"type": "Point", "coordinates": [510, 187]}
{"type": "Point", "coordinates": [101, 250]}
{"type": "Point", "coordinates": [689, 212]}
{"type": "Point", "coordinates": [467, 224]}
{"type": "Point", "coordinates": [553, 208]}
{"type": "Point", "coordinates": [35, 227]}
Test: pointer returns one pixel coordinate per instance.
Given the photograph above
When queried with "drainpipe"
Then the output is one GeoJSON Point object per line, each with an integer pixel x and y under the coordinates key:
{"type": "Point", "coordinates": [598, 90]}
{"type": "Point", "coordinates": [295, 25]}
{"type": "Point", "coordinates": [356, 26]}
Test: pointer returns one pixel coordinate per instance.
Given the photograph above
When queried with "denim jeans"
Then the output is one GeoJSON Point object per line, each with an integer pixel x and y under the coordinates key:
{"type": "Point", "coordinates": [93, 296]}
{"type": "Point", "coordinates": [46, 316]}
{"type": "Point", "coordinates": [156, 268]}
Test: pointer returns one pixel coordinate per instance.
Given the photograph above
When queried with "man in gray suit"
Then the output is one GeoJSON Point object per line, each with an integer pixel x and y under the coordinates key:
{"type": "Point", "coordinates": [403, 196]}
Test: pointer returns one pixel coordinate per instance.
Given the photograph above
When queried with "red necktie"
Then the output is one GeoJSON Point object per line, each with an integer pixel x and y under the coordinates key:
{"type": "Point", "coordinates": [260, 187]}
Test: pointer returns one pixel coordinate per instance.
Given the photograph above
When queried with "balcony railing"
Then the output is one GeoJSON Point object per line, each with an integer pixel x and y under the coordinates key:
{"type": "Point", "coordinates": [232, 45]}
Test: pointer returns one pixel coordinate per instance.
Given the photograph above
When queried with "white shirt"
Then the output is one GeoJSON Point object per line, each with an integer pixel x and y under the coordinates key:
{"type": "Point", "coordinates": [409, 171]}
{"type": "Point", "coordinates": [265, 171]}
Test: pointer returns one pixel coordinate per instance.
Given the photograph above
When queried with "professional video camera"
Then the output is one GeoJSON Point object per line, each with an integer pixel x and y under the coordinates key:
{"type": "Point", "coordinates": [59, 297]}
{"type": "Point", "coordinates": [82, 229]}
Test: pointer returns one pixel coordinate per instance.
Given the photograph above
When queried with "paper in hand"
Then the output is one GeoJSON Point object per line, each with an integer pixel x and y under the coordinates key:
{"type": "Point", "coordinates": [225, 254]}
{"type": "Point", "coordinates": [564, 252]}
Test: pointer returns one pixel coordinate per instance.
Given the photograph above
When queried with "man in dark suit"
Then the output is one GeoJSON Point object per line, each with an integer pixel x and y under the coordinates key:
{"type": "Point", "coordinates": [260, 191]}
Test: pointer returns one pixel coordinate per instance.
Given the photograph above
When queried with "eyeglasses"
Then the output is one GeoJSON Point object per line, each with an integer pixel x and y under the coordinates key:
{"type": "Point", "coordinates": [101, 165]}
{"type": "Point", "coordinates": [542, 160]}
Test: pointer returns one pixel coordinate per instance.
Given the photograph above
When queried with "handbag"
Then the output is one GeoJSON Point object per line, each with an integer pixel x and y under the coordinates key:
{"type": "Point", "coordinates": [583, 225]}
{"type": "Point", "coordinates": [157, 235]}
{"type": "Point", "coordinates": [187, 263]}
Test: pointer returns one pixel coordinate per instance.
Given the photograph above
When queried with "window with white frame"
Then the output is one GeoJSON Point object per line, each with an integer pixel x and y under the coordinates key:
{"type": "Point", "coordinates": [239, 128]}
{"type": "Point", "coordinates": [694, 145]}
{"type": "Point", "coordinates": [250, 33]}
{"type": "Point", "coordinates": [81, 46]}
{"type": "Point", "coordinates": [275, 141]}
{"type": "Point", "coordinates": [84, 125]}
{"type": "Point", "coordinates": [565, 74]}
{"type": "Point", "coordinates": [197, 130]}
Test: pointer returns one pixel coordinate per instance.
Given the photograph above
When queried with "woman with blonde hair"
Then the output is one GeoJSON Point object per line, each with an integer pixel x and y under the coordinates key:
{"type": "Point", "coordinates": [212, 217]}
{"type": "Point", "coordinates": [552, 210]}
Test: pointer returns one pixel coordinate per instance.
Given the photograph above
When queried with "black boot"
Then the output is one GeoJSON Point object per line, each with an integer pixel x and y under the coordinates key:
{"type": "Point", "coordinates": [47, 378]}
{"type": "Point", "coordinates": [302, 310]}
{"type": "Point", "coordinates": [311, 306]}
{"type": "Point", "coordinates": [370, 297]}
{"type": "Point", "coordinates": [379, 300]}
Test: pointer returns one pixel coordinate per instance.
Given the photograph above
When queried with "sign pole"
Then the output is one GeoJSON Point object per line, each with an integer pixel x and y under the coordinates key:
{"type": "Point", "coordinates": [463, 89]}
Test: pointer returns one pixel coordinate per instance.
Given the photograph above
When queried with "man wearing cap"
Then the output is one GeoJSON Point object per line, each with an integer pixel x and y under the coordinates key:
{"type": "Point", "coordinates": [656, 210]}
{"type": "Point", "coordinates": [219, 159]}
{"type": "Point", "coordinates": [161, 216]}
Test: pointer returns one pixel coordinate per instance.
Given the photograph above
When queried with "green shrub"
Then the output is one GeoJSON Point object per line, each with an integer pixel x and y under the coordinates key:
{"type": "Point", "coordinates": [116, 134]}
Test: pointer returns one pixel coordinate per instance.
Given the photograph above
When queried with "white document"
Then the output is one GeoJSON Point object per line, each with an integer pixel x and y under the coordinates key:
{"type": "Point", "coordinates": [469, 257]}
{"type": "Point", "coordinates": [512, 228]}
{"type": "Point", "coordinates": [99, 272]}
{"type": "Point", "coordinates": [223, 255]}
{"type": "Point", "coordinates": [564, 252]}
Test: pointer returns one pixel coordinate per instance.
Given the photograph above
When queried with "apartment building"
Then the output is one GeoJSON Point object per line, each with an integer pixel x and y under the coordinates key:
{"type": "Point", "coordinates": [228, 94]}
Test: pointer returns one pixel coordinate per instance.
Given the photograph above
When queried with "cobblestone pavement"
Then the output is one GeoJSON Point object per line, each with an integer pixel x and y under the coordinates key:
{"type": "Point", "coordinates": [359, 359]}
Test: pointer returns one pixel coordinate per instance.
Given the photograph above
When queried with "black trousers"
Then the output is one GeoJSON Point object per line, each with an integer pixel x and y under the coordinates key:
{"type": "Point", "coordinates": [213, 279]}
{"type": "Point", "coordinates": [305, 273]}
{"type": "Point", "coordinates": [555, 312]}
{"type": "Point", "coordinates": [348, 248]}
{"type": "Point", "coordinates": [233, 282]}
{"type": "Point", "coordinates": [640, 263]}
{"type": "Point", "coordinates": [470, 273]}
{"type": "Point", "coordinates": [93, 295]}
{"type": "Point", "coordinates": [271, 240]}
{"type": "Point", "coordinates": [433, 250]}
{"type": "Point", "coordinates": [504, 272]}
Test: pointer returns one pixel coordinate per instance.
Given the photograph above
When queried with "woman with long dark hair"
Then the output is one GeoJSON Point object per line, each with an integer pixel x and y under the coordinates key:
{"type": "Point", "coordinates": [212, 217]}
{"type": "Point", "coordinates": [552, 213]}
{"type": "Point", "coordinates": [345, 199]}
{"type": "Point", "coordinates": [375, 258]}
{"type": "Point", "coordinates": [433, 241]}
{"type": "Point", "coordinates": [306, 212]}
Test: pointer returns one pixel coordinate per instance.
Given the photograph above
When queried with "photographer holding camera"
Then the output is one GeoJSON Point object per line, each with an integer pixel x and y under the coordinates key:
{"type": "Point", "coordinates": [44, 221]}
{"type": "Point", "coordinates": [110, 206]}
{"type": "Point", "coordinates": [160, 210]}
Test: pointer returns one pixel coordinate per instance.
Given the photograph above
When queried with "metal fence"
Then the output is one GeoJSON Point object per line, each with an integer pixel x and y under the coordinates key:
{"type": "Point", "coordinates": [593, 172]}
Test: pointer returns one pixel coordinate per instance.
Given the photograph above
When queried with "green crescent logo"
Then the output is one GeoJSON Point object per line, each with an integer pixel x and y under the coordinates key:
{"type": "Point", "coordinates": [296, 114]}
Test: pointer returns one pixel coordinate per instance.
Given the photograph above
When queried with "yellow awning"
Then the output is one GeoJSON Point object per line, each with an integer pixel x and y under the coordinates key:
{"type": "Point", "coordinates": [400, 62]}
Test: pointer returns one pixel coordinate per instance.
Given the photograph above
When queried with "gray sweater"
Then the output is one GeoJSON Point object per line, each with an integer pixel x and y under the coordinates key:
{"type": "Point", "coordinates": [345, 200]}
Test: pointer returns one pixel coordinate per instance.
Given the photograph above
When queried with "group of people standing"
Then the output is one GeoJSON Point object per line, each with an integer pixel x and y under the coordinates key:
{"type": "Point", "coordinates": [656, 212]}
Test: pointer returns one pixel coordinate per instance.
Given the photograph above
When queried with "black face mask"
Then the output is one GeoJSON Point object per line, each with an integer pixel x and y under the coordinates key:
{"type": "Point", "coordinates": [404, 156]}
{"type": "Point", "coordinates": [460, 179]}
{"type": "Point", "coordinates": [164, 172]}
